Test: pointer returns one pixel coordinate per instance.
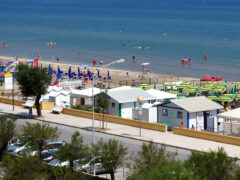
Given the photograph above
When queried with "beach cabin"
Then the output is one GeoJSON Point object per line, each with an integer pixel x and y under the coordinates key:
{"type": "Point", "coordinates": [161, 95]}
{"type": "Point", "coordinates": [83, 97]}
{"type": "Point", "coordinates": [194, 112]}
{"type": "Point", "coordinates": [149, 113]}
{"type": "Point", "coordinates": [61, 98]}
{"type": "Point", "coordinates": [51, 90]}
{"type": "Point", "coordinates": [124, 99]}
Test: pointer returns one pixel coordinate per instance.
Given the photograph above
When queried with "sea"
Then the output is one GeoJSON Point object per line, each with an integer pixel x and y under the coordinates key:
{"type": "Point", "coordinates": [158, 32]}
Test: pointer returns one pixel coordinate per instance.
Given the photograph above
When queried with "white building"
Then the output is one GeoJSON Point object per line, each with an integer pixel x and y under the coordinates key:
{"type": "Point", "coordinates": [61, 98]}
{"type": "Point", "coordinates": [148, 114]}
{"type": "Point", "coordinates": [51, 90]}
{"type": "Point", "coordinates": [124, 99]}
{"type": "Point", "coordinates": [199, 112]}
{"type": "Point", "coordinates": [83, 97]}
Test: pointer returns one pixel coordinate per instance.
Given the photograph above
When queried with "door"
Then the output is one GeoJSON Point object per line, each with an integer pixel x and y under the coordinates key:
{"type": "Point", "coordinates": [205, 117]}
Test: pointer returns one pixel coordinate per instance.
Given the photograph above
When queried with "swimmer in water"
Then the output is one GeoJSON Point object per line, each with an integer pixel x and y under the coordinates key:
{"type": "Point", "coordinates": [4, 45]}
{"type": "Point", "coordinates": [206, 57]}
{"type": "Point", "coordinates": [133, 59]}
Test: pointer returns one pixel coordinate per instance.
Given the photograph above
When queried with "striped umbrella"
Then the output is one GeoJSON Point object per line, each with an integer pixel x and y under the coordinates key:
{"type": "Point", "coordinates": [186, 83]}
{"type": "Point", "coordinates": [213, 97]}
{"type": "Point", "coordinates": [225, 99]}
{"type": "Point", "coordinates": [170, 85]}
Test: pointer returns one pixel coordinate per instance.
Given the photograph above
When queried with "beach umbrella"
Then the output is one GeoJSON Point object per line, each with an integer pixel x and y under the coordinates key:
{"type": "Point", "coordinates": [69, 72]}
{"type": "Point", "coordinates": [228, 95]}
{"type": "Point", "coordinates": [204, 89]}
{"type": "Point", "coordinates": [170, 85]}
{"type": "Point", "coordinates": [236, 83]}
{"type": "Point", "coordinates": [219, 90]}
{"type": "Point", "coordinates": [98, 73]}
{"type": "Point", "coordinates": [78, 71]}
{"type": "Point", "coordinates": [186, 83]}
{"type": "Point", "coordinates": [225, 99]}
{"type": "Point", "coordinates": [224, 84]}
{"type": "Point", "coordinates": [89, 74]}
{"type": "Point", "coordinates": [59, 70]}
{"type": "Point", "coordinates": [182, 86]}
{"type": "Point", "coordinates": [155, 86]}
{"type": "Point", "coordinates": [213, 97]}
{"type": "Point", "coordinates": [108, 75]}
{"type": "Point", "coordinates": [175, 92]}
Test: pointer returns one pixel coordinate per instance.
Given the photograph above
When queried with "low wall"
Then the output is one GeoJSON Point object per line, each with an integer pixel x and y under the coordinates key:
{"type": "Point", "coordinates": [207, 136]}
{"type": "Point", "coordinates": [47, 105]}
{"type": "Point", "coordinates": [9, 101]}
{"type": "Point", "coordinates": [114, 119]}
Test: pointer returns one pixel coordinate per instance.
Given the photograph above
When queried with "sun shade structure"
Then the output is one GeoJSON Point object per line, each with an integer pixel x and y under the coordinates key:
{"type": "Point", "coordinates": [87, 92]}
{"type": "Point", "coordinates": [197, 104]}
{"type": "Point", "coordinates": [129, 95]}
{"type": "Point", "coordinates": [161, 94]}
{"type": "Point", "coordinates": [233, 114]}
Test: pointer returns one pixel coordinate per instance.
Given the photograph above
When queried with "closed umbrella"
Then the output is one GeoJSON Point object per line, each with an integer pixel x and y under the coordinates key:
{"type": "Point", "coordinates": [108, 75]}
{"type": "Point", "coordinates": [79, 74]}
{"type": "Point", "coordinates": [69, 72]}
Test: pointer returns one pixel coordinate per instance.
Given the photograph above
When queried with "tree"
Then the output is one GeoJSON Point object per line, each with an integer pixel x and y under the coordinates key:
{"type": "Point", "coordinates": [214, 165]}
{"type": "Point", "coordinates": [33, 82]}
{"type": "Point", "coordinates": [112, 154]}
{"type": "Point", "coordinates": [73, 151]}
{"type": "Point", "coordinates": [149, 156]}
{"type": "Point", "coordinates": [7, 128]}
{"type": "Point", "coordinates": [102, 103]}
{"type": "Point", "coordinates": [164, 169]}
{"type": "Point", "coordinates": [23, 168]}
{"type": "Point", "coordinates": [39, 133]}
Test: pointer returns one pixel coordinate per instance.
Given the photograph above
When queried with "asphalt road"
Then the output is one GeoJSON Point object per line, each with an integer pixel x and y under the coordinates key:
{"type": "Point", "coordinates": [133, 145]}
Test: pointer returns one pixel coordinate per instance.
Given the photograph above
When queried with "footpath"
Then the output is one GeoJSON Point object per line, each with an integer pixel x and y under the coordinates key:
{"type": "Point", "coordinates": [128, 131]}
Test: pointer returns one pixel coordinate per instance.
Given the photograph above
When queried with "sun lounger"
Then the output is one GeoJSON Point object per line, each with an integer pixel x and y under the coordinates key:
{"type": "Point", "coordinates": [28, 104]}
{"type": "Point", "coordinates": [57, 109]}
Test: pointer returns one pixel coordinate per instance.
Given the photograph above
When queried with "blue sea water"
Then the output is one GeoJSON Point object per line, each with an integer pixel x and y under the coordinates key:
{"type": "Point", "coordinates": [87, 29]}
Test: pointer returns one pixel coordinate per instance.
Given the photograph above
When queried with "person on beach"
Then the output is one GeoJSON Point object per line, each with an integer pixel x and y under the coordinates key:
{"type": "Point", "coordinates": [47, 43]}
{"type": "Point", "coordinates": [58, 58]}
{"type": "Point", "coordinates": [94, 62]}
{"type": "Point", "coordinates": [189, 60]}
{"type": "Point", "coordinates": [184, 60]}
{"type": "Point", "coordinates": [39, 56]}
{"type": "Point", "coordinates": [51, 43]}
{"type": "Point", "coordinates": [133, 59]}
{"type": "Point", "coordinates": [206, 57]}
{"type": "Point", "coordinates": [4, 45]}
{"type": "Point", "coordinates": [101, 62]}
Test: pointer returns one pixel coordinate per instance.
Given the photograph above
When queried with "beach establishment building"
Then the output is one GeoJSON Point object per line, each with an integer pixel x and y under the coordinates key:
{"type": "Point", "coordinates": [198, 112]}
{"type": "Point", "coordinates": [83, 97]}
{"type": "Point", "coordinates": [161, 95]}
{"type": "Point", "coordinates": [230, 121]}
{"type": "Point", "coordinates": [51, 90]}
{"type": "Point", "coordinates": [149, 112]}
{"type": "Point", "coordinates": [61, 98]}
{"type": "Point", "coordinates": [124, 99]}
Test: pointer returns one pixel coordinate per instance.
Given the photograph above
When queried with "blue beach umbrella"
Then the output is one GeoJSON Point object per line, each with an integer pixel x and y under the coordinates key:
{"type": "Point", "coordinates": [59, 70]}
{"type": "Point", "coordinates": [41, 66]}
{"type": "Point", "coordinates": [108, 75]}
{"type": "Point", "coordinates": [78, 71]}
{"type": "Point", "coordinates": [69, 72]}
{"type": "Point", "coordinates": [98, 73]}
{"type": "Point", "coordinates": [89, 74]}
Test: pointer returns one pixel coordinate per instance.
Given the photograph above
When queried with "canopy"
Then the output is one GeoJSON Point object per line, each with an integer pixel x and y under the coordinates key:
{"type": "Point", "coordinates": [161, 94]}
{"type": "Point", "coordinates": [233, 114]}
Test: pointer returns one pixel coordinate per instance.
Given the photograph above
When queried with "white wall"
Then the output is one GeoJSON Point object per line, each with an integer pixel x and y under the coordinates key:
{"type": "Point", "coordinates": [113, 110]}
{"type": "Point", "coordinates": [172, 115]}
{"type": "Point", "coordinates": [212, 121]}
{"type": "Point", "coordinates": [60, 99]}
{"type": "Point", "coordinates": [127, 110]}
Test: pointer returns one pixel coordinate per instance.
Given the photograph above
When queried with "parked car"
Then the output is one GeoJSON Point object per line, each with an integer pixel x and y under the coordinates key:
{"type": "Point", "coordinates": [15, 145]}
{"type": "Point", "coordinates": [94, 162]}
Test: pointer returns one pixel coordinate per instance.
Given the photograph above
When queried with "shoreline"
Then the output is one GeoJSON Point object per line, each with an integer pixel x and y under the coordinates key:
{"type": "Point", "coordinates": [117, 75]}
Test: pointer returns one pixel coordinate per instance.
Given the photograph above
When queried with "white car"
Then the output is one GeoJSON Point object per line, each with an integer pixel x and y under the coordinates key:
{"type": "Point", "coordinates": [89, 167]}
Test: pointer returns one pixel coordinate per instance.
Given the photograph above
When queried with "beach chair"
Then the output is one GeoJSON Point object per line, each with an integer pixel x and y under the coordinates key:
{"type": "Point", "coordinates": [57, 109]}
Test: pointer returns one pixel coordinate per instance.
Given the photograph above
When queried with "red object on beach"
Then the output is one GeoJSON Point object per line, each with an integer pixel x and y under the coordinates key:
{"type": "Point", "coordinates": [101, 62]}
{"type": "Point", "coordinates": [94, 62]}
{"type": "Point", "coordinates": [86, 80]}
{"type": "Point", "coordinates": [35, 62]}
{"type": "Point", "coordinates": [209, 78]}
{"type": "Point", "coordinates": [1, 74]}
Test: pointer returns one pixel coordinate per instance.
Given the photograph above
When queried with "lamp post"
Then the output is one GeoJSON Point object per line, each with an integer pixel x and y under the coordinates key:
{"type": "Point", "coordinates": [93, 105]}
{"type": "Point", "coordinates": [140, 101]}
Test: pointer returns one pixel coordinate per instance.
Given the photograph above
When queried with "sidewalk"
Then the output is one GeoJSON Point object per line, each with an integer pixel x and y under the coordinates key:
{"type": "Point", "coordinates": [128, 131]}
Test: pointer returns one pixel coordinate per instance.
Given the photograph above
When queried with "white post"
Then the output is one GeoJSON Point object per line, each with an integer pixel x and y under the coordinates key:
{"type": "Point", "coordinates": [93, 127]}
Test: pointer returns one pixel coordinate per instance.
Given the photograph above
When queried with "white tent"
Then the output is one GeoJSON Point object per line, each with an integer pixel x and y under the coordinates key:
{"type": "Point", "coordinates": [161, 95]}
{"type": "Point", "coordinates": [87, 92]}
{"type": "Point", "coordinates": [233, 114]}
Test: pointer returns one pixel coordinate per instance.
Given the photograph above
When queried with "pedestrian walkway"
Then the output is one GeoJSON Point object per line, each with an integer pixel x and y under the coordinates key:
{"type": "Point", "coordinates": [128, 131]}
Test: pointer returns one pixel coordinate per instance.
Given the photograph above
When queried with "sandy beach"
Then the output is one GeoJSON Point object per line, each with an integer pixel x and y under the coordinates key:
{"type": "Point", "coordinates": [118, 77]}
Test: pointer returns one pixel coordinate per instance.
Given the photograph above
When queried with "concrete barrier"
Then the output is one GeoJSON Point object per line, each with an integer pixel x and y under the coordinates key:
{"type": "Point", "coordinates": [114, 119]}
{"type": "Point", "coordinates": [207, 135]}
{"type": "Point", "coordinates": [47, 105]}
{"type": "Point", "coordinates": [9, 101]}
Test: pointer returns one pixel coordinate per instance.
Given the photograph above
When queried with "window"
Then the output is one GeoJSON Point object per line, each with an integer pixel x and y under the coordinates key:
{"type": "Point", "coordinates": [179, 115]}
{"type": "Point", "coordinates": [113, 105]}
{"type": "Point", "coordinates": [165, 112]}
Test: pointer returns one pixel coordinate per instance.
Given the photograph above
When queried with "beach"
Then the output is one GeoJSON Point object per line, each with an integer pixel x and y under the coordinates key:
{"type": "Point", "coordinates": [119, 77]}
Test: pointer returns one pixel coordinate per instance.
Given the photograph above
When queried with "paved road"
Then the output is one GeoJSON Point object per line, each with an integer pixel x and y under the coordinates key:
{"type": "Point", "coordinates": [133, 145]}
